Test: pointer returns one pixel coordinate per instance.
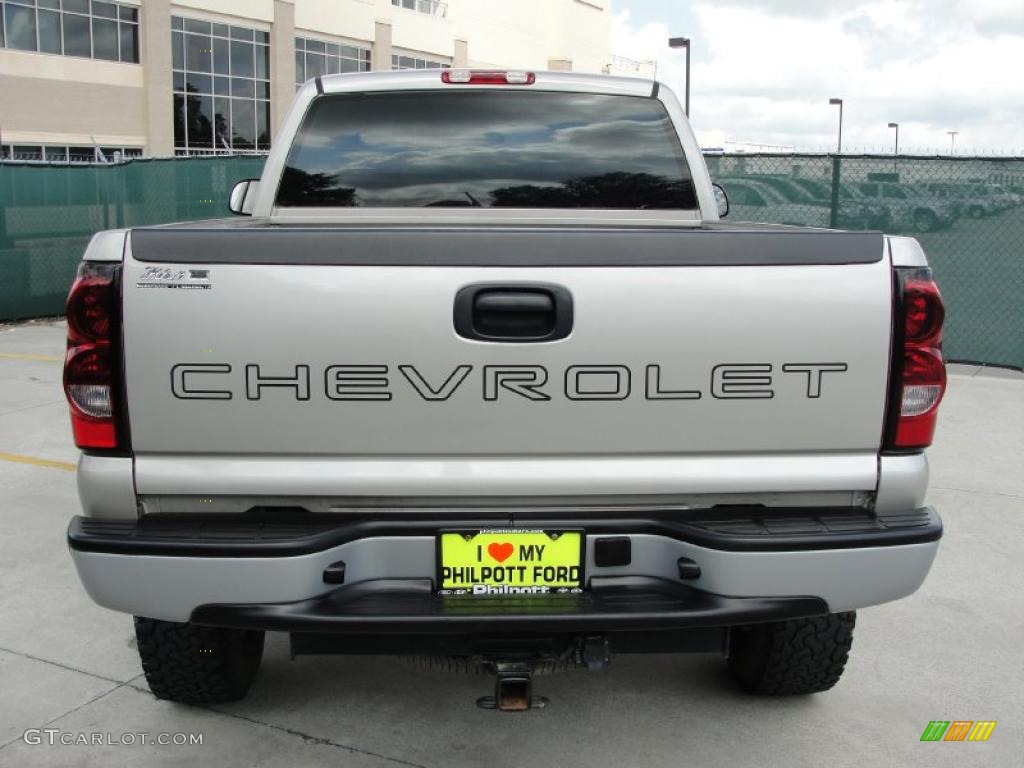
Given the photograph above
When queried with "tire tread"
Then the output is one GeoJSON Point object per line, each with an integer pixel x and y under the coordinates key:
{"type": "Point", "coordinates": [194, 664]}
{"type": "Point", "coordinates": [796, 657]}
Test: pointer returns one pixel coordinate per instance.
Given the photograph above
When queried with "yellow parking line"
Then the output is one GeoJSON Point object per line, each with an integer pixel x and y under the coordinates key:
{"type": "Point", "coordinates": [37, 358]}
{"type": "Point", "coordinates": [19, 459]}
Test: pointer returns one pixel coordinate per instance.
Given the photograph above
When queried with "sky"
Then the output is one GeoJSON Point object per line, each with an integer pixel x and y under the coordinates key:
{"type": "Point", "coordinates": [763, 72]}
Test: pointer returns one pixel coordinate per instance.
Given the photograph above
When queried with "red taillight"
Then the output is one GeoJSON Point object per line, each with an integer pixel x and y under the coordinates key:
{"type": "Point", "coordinates": [923, 312]}
{"type": "Point", "coordinates": [90, 370]}
{"type": "Point", "coordinates": [487, 77]}
{"type": "Point", "coordinates": [917, 361]}
{"type": "Point", "coordinates": [89, 308]}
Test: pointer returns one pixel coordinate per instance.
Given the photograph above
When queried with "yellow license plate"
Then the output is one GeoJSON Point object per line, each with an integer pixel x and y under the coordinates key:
{"type": "Point", "coordinates": [510, 562]}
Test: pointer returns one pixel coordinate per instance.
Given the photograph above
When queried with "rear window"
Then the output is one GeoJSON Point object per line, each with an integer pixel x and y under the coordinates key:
{"type": "Point", "coordinates": [494, 149]}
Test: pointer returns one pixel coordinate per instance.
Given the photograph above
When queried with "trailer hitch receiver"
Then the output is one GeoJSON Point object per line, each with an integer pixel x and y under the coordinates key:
{"type": "Point", "coordinates": [513, 689]}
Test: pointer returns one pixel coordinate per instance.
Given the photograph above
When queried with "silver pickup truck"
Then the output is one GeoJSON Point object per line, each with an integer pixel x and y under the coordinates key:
{"type": "Point", "coordinates": [479, 375]}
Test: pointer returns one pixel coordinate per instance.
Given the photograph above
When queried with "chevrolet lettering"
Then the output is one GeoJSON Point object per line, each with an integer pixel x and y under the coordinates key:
{"type": "Point", "coordinates": [581, 382]}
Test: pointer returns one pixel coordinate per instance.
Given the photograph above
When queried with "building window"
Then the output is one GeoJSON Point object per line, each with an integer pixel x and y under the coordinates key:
{"type": "Point", "coordinates": [430, 7]}
{"type": "Point", "coordinates": [402, 61]}
{"type": "Point", "coordinates": [221, 79]}
{"type": "Point", "coordinates": [88, 28]}
{"type": "Point", "coordinates": [320, 57]}
{"type": "Point", "coordinates": [57, 153]}
{"type": "Point", "coordinates": [26, 153]}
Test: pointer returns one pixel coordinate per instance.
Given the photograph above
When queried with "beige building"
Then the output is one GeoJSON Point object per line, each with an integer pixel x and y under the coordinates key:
{"type": "Point", "coordinates": [156, 78]}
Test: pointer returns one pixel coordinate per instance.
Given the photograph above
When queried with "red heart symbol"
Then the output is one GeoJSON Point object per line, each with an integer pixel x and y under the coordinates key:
{"type": "Point", "coordinates": [500, 552]}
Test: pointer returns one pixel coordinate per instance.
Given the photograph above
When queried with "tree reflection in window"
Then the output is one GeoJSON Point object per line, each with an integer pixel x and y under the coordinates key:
{"type": "Point", "coordinates": [488, 148]}
{"type": "Point", "coordinates": [221, 87]}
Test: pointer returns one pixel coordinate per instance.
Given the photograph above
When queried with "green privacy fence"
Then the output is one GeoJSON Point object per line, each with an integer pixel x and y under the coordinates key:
{"type": "Point", "coordinates": [49, 212]}
{"type": "Point", "coordinates": [967, 212]}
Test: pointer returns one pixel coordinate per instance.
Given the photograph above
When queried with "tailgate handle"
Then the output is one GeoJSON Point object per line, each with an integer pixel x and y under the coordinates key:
{"type": "Point", "coordinates": [513, 313]}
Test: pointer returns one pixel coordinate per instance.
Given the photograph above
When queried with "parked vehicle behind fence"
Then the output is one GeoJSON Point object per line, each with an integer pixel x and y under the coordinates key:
{"type": "Point", "coordinates": [851, 213]}
{"type": "Point", "coordinates": [970, 202]}
{"type": "Point", "coordinates": [754, 199]}
{"type": "Point", "coordinates": [1002, 197]}
{"type": "Point", "coordinates": [850, 202]}
{"type": "Point", "coordinates": [911, 209]}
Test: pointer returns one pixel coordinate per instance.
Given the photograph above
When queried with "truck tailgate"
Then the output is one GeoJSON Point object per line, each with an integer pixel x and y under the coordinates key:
{"type": "Point", "coordinates": [339, 352]}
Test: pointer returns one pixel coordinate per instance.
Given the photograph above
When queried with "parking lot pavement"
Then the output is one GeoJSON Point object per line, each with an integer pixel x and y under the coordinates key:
{"type": "Point", "coordinates": [952, 651]}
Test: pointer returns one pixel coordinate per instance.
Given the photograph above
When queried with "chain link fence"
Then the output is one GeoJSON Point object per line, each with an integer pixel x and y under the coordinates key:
{"type": "Point", "coordinates": [968, 214]}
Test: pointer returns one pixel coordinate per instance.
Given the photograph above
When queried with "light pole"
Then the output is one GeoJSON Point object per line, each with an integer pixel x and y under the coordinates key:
{"type": "Point", "coordinates": [952, 140]}
{"type": "Point", "coordinates": [683, 42]}
{"type": "Point", "coordinates": [839, 102]}
{"type": "Point", "coordinates": [896, 150]}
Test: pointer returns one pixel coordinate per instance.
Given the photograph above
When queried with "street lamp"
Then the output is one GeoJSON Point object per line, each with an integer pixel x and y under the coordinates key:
{"type": "Point", "coordinates": [839, 102]}
{"type": "Point", "coordinates": [896, 150]}
{"type": "Point", "coordinates": [683, 42]}
{"type": "Point", "coordinates": [952, 139]}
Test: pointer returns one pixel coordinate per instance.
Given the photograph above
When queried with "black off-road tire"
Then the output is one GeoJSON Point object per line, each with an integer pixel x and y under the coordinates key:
{"type": "Point", "coordinates": [792, 657]}
{"type": "Point", "coordinates": [197, 665]}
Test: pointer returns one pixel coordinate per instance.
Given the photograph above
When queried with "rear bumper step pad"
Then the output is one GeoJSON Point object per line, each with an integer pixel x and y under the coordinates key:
{"type": "Point", "coordinates": [409, 605]}
{"type": "Point", "coordinates": [298, 532]}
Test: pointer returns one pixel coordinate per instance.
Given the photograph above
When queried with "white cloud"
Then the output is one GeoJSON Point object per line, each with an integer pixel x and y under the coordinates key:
{"type": "Point", "coordinates": [763, 72]}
